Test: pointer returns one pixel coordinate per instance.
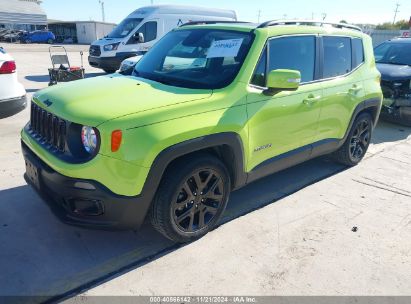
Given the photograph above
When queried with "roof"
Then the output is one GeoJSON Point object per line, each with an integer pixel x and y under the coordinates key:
{"type": "Point", "coordinates": [52, 21]}
{"type": "Point", "coordinates": [20, 11]}
{"type": "Point", "coordinates": [400, 40]}
{"type": "Point", "coordinates": [281, 27]}
{"type": "Point", "coordinates": [21, 7]}
{"type": "Point", "coordinates": [185, 9]}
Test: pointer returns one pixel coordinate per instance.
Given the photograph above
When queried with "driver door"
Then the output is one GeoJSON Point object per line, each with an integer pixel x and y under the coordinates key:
{"type": "Point", "coordinates": [150, 32]}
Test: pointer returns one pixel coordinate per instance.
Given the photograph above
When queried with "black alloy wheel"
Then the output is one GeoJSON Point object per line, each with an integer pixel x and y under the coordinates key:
{"type": "Point", "coordinates": [191, 198]}
{"type": "Point", "coordinates": [360, 140]}
{"type": "Point", "coordinates": [357, 142]}
{"type": "Point", "coordinates": [198, 200]}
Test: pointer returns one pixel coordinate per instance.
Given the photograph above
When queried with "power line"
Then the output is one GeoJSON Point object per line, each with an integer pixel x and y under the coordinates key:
{"type": "Point", "coordinates": [396, 12]}
{"type": "Point", "coordinates": [103, 14]}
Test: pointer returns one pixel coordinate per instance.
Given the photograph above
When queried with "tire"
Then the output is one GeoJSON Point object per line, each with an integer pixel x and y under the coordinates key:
{"type": "Point", "coordinates": [109, 71]}
{"type": "Point", "coordinates": [358, 140]}
{"type": "Point", "coordinates": [183, 211]}
{"type": "Point", "coordinates": [28, 41]}
{"type": "Point", "coordinates": [50, 41]}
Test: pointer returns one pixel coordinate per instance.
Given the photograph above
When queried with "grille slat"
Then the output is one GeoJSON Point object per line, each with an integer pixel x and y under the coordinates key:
{"type": "Point", "coordinates": [48, 128]}
{"type": "Point", "coordinates": [95, 50]}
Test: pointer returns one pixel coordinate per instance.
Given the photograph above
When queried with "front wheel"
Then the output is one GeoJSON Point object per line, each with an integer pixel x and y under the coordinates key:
{"type": "Point", "coordinates": [356, 145]}
{"type": "Point", "coordinates": [191, 198]}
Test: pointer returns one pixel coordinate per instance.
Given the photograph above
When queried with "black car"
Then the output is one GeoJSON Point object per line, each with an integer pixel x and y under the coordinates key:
{"type": "Point", "coordinates": [393, 59]}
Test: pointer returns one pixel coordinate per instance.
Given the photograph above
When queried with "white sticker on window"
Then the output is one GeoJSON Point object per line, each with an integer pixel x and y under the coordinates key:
{"type": "Point", "coordinates": [225, 48]}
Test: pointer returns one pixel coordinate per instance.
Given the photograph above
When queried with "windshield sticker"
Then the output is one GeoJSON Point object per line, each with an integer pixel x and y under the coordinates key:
{"type": "Point", "coordinates": [225, 48]}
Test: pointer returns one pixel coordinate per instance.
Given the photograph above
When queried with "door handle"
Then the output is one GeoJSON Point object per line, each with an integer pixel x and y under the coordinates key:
{"type": "Point", "coordinates": [355, 89]}
{"type": "Point", "coordinates": [311, 99]}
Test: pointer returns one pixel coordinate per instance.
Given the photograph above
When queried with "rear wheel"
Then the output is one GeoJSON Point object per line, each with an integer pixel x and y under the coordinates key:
{"type": "Point", "coordinates": [357, 142]}
{"type": "Point", "coordinates": [191, 198]}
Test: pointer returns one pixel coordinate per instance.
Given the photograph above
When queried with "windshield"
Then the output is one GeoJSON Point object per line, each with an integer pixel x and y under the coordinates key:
{"type": "Point", "coordinates": [393, 53]}
{"type": "Point", "coordinates": [198, 58]}
{"type": "Point", "coordinates": [125, 27]}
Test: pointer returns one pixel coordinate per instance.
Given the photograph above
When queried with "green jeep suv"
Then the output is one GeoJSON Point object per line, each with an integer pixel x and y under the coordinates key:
{"type": "Point", "coordinates": [210, 108]}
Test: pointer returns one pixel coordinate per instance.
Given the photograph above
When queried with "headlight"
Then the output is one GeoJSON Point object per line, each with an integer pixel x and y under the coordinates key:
{"type": "Point", "coordinates": [111, 47]}
{"type": "Point", "coordinates": [89, 139]}
{"type": "Point", "coordinates": [127, 65]}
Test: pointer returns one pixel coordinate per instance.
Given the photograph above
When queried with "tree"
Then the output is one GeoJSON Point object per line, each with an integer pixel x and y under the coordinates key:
{"type": "Point", "coordinates": [344, 21]}
{"type": "Point", "coordinates": [400, 25]}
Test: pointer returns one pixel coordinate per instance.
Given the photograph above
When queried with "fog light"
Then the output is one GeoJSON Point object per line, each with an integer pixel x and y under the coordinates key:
{"type": "Point", "coordinates": [86, 207]}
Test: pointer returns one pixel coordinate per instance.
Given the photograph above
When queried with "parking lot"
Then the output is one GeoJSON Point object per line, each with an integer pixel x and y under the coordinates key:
{"type": "Point", "coordinates": [315, 229]}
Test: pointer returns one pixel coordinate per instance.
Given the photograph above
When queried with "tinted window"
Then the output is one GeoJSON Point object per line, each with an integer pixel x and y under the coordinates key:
{"type": "Point", "coordinates": [259, 73]}
{"type": "Point", "coordinates": [358, 52]}
{"type": "Point", "coordinates": [393, 53]}
{"type": "Point", "coordinates": [294, 53]}
{"type": "Point", "coordinates": [149, 30]}
{"type": "Point", "coordinates": [337, 56]}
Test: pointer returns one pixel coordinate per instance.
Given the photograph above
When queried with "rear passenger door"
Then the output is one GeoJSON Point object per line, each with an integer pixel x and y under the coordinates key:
{"type": "Point", "coordinates": [342, 82]}
{"type": "Point", "coordinates": [286, 121]}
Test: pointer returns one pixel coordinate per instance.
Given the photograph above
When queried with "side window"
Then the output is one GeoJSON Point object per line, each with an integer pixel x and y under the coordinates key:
{"type": "Point", "coordinates": [259, 73]}
{"type": "Point", "coordinates": [149, 30]}
{"type": "Point", "coordinates": [358, 52]}
{"type": "Point", "coordinates": [337, 56]}
{"type": "Point", "coordinates": [294, 53]}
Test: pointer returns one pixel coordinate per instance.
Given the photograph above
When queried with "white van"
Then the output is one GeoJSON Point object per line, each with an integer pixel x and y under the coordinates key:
{"type": "Point", "coordinates": [136, 34]}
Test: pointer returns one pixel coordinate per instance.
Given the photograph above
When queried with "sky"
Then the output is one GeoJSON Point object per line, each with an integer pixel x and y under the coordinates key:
{"type": "Point", "coordinates": [353, 11]}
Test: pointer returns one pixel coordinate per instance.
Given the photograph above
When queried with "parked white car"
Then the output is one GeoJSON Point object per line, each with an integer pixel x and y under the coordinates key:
{"type": "Point", "coordinates": [12, 93]}
{"type": "Point", "coordinates": [127, 66]}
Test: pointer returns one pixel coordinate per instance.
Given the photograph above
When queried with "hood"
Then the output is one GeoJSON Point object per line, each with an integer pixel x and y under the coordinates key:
{"type": "Point", "coordinates": [105, 41]}
{"type": "Point", "coordinates": [97, 100]}
{"type": "Point", "coordinates": [394, 72]}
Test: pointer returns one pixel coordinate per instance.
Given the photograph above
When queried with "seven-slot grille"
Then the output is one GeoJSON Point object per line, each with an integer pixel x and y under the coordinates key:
{"type": "Point", "coordinates": [48, 128]}
{"type": "Point", "coordinates": [95, 50]}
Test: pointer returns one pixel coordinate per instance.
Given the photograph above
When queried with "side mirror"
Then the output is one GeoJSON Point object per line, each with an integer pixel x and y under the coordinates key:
{"type": "Point", "coordinates": [282, 80]}
{"type": "Point", "coordinates": [139, 37]}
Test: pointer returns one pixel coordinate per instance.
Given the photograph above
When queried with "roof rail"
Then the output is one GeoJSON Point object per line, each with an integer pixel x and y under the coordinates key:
{"type": "Point", "coordinates": [308, 22]}
{"type": "Point", "coordinates": [210, 22]}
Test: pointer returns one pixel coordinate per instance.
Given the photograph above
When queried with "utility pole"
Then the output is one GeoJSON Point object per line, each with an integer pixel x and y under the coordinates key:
{"type": "Point", "coordinates": [396, 12]}
{"type": "Point", "coordinates": [103, 14]}
{"type": "Point", "coordinates": [259, 16]}
{"type": "Point", "coordinates": [324, 15]}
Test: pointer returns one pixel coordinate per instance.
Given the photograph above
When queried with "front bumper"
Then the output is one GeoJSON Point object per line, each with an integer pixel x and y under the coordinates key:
{"type": "Point", "coordinates": [109, 63]}
{"type": "Point", "coordinates": [80, 202]}
{"type": "Point", "coordinates": [12, 106]}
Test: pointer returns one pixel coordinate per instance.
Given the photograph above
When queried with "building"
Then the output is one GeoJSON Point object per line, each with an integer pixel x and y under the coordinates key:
{"type": "Point", "coordinates": [22, 15]}
{"type": "Point", "coordinates": [84, 32]}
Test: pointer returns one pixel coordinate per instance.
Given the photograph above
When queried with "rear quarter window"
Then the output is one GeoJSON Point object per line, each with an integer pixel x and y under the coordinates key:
{"type": "Point", "coordinates": [358, 52]}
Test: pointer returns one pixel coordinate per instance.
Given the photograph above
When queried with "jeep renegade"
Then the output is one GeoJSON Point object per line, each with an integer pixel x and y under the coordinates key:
{"type": "Point", "coordinates": [210, 108]}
